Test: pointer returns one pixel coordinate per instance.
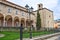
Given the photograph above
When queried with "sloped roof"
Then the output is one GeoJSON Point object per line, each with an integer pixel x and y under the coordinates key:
{"type": "Point", "coordinates": [44, 8]}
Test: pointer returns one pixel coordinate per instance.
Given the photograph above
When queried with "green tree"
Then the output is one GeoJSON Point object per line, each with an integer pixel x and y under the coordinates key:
{"type": "Point", "coordinates": [38, 23]}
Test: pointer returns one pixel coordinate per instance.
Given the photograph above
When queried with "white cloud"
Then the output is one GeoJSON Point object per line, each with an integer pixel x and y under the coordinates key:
{"type": "Point", "coordinates": [57, 12]}
{"type": "Point", "coordinates": [47, 3]}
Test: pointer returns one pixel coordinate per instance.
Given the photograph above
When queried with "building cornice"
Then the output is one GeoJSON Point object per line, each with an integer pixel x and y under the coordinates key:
{"type": "Point", "coordinates": [48, 9]}
{"type": "Point", "coordinates": [43, 9]}
{"type": "Point", "coordinates": [13, 5]}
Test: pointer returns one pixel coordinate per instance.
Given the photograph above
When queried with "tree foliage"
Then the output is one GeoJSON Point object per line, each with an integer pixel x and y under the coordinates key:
{"type": "Point", "coordinates": [38, 23]}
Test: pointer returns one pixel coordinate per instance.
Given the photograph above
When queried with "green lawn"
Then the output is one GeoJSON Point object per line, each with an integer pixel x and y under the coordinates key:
{"type": "Point", "coordinates": [16, 35]}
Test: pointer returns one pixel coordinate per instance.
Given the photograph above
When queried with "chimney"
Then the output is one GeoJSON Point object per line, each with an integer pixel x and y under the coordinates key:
{"type": "Point", "coordinates": [40, 6]}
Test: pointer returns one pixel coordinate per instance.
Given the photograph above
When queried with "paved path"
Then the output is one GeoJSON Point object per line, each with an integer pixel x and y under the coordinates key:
{"type": "Point", "coordinates": [2, 35]}
{"type": "Point", "coordinates": [25, 39]}
{"type": "Point", "coordinates": [57, 35]}
{"type": "Point", "coordinates": [58, 38]}
{"type": "Point", "coordinates": [54, 38]}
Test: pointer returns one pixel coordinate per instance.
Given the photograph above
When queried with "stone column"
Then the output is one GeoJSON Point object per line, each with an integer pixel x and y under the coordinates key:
{"type": "Point", "coordinates": [13, 23]}
{"type": "Point", "coordinates": [0, 22]}
{"type": "Point", "coordinates": [19, 22]}
{"type": "Point", "coordinates": [25, 23]}
{"type": "Point", "coordinates": [4, 22]}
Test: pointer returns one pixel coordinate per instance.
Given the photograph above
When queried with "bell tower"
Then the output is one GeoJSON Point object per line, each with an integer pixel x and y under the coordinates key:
{"type": "Point", "coordinates": [40, 6]}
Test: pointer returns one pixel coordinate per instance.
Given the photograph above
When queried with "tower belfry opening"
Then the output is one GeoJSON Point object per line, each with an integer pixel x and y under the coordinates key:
{"type": "Point", "coordinates": [40, 6]}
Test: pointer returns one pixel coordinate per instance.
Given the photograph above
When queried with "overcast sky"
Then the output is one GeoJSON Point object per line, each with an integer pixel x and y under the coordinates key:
{"type": "Point", "coordinates": [53, 5]}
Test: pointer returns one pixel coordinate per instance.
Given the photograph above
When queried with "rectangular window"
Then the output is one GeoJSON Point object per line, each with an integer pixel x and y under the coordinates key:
{"type": "Point", "coordinates": [16, 12]}
{"type": "Point", "coordinates": [9, 10]}
{"type": "Point", "coordinates": [22, 14]}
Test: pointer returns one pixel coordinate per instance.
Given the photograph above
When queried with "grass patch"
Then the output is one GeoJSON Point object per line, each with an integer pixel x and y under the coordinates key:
{"type": "Point", "coordinates": [10, 35]}
{"type": "Point", "coordinates": [16, 35]}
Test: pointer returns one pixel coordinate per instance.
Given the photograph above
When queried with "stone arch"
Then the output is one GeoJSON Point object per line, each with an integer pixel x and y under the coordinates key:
{"type": "Point", "coordinates": [31, 22]}
{"type": "Point", "coordinates": [8, 19]}
{"type": "Point", "coordinates": [16, 21]}
{"type": "Point", "coordinates": [1, 19]}
{"type": "Point", "coordinates": [27, 23]}
{"type": "Point", "coordinates": [23, 22]}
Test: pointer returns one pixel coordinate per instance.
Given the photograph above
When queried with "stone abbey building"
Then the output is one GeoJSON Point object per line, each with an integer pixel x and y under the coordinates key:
{"type": "Point", "coordinates": [12, 15]}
